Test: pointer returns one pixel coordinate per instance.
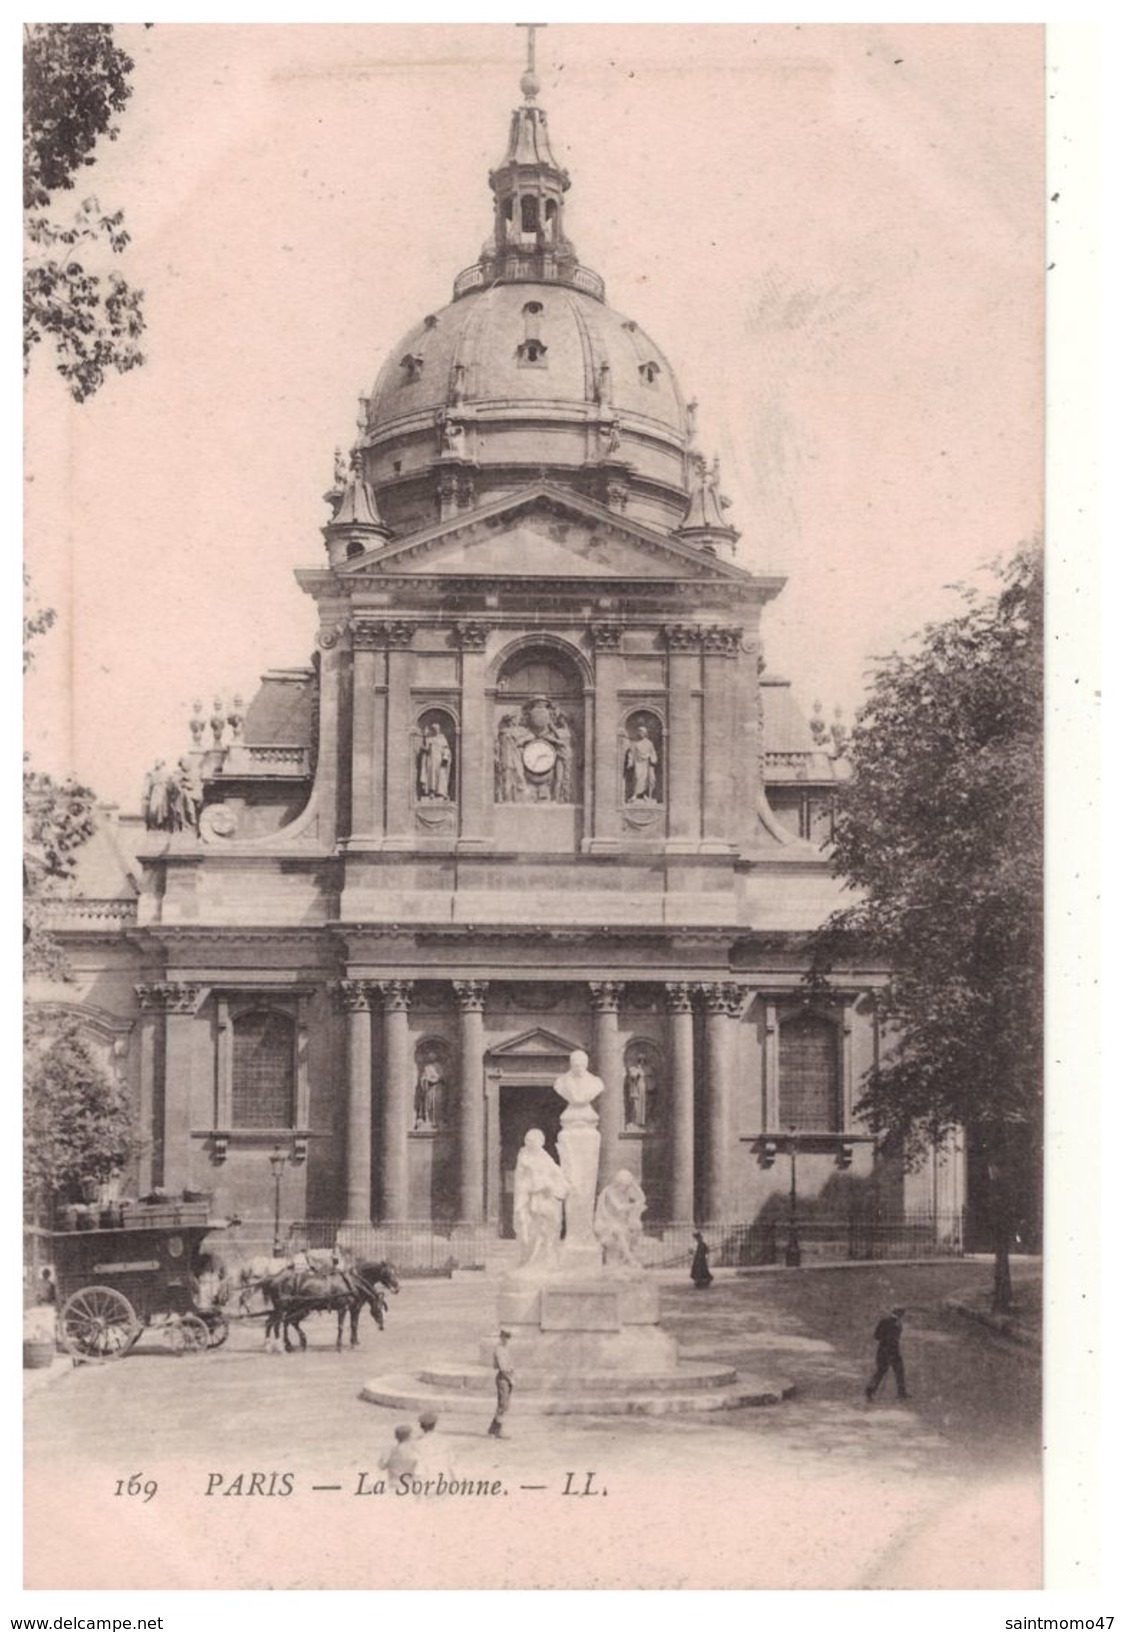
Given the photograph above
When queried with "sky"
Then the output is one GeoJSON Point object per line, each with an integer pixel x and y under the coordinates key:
{"type": "Point", "coordinates": [835, 233]}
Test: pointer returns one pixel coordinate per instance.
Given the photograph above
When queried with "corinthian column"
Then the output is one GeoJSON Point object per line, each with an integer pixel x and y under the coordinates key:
{"type": "Point", "coordinates": [397, 1084]}
{"type": "Point", "coordinates": [723, 1005]}
{"type": "Point", "coordinates": [355, 1000]}
{"type": "Point", "coordinates": [682, 1116]}
{"type": "Point", "coordinates": [605, 996]}
{"type": "Point", "coordinates": [470, 1121]}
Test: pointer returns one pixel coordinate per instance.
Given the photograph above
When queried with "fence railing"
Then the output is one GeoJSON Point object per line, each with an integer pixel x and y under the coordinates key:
{"type": "Point", "coordinates": [423, 1249]}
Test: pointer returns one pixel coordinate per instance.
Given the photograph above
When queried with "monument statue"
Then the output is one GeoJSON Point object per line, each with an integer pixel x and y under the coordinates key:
{"type": "Point", "coordinates": [534, 755]}
{"type": "Point", "coordinates": [579, 1088]}
{"type": "Point", "coordinates": [540, 1189]}
{"type": "Point", "coordinates": [617, 1221]}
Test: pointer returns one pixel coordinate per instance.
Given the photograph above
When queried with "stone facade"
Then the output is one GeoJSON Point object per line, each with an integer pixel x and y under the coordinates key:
{"type": "Point", "coordinates": [534, 793]}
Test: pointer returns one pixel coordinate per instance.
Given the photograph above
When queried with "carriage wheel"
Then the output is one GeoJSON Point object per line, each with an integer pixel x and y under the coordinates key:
{"type": "Point", "coordinates": [217, 1331]}
{"type": "Point", "coordinates": [99, 1323]}
{"type": "Point", "coordinates": [188, 1335]}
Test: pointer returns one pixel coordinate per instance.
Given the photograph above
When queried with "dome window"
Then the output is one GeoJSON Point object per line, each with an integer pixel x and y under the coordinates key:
{"type": "Point", "coordinates": [431, 321]}
{"type": "Point", "coordinates": [413, 365]}
{"type": "Point", "coordinates": [649, 372]}
{"type": "Point", "coordinates": [531, 350]}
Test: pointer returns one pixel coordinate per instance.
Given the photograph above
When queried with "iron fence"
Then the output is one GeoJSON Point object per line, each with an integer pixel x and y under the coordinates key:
{"type": "Point", "coordinates": [425, 1249]}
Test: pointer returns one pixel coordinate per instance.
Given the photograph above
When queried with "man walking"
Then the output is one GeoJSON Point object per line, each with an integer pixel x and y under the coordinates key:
{"type": "Point", "coordinates": [888, 1336]}
{"type": "Point", "coordinates": [505, 1381]}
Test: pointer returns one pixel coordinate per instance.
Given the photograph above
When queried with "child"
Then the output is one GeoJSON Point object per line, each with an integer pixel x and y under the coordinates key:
{"type": "Point", "coordinates": [400, 1458]}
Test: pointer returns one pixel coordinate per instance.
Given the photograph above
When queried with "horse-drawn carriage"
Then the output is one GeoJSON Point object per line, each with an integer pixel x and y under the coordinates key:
{"type": "Point", "coordinates": [113, 1283]}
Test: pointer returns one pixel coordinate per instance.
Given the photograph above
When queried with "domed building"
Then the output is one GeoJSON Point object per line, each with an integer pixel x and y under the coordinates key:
{"type": "Point", "coordinates": [535, 792]}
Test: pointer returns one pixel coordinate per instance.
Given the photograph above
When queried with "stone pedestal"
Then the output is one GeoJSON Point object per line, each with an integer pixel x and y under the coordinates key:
{"type": "Point", "coordinates": [579, 1146]}
{"type": "Point", "coordinates": [568, 1327]}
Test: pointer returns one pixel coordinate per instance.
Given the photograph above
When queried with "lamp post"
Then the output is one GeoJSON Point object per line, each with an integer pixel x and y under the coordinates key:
{"type": "Point", "coordinates": [277, 1168]}
{"type": "Point", "coordinates": [792, 1250]}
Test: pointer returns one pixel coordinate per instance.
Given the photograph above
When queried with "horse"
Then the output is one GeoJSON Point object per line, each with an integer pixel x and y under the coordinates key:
{"type": "Point", "coordinates": [296, 1295]}
{"type": "Point", "coordinates": [257, 1278]}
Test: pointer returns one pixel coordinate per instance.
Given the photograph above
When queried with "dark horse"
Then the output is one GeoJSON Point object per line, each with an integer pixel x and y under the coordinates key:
{"type": "Point", "coordinates": [296, 1294]}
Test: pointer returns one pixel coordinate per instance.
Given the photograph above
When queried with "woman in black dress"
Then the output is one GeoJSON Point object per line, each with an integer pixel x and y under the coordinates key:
{"type": "Point", "coordinates": [700, 1263]}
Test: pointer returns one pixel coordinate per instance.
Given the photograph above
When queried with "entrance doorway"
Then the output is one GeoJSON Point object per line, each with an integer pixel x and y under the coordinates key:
{"type": "Point", "coordinates": [523, 1107]}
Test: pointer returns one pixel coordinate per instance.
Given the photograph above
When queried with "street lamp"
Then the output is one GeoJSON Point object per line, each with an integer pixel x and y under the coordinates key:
{"type": "Point", "coordinates": [792, 1250]}
{"type": "Point", "coordinates": [277, 1168]}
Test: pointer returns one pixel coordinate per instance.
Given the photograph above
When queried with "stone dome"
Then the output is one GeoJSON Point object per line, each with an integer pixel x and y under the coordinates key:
{"type": "Point", "coordinates": [526, 374]}
{"type": "Point", "coordinates": [524, 377]}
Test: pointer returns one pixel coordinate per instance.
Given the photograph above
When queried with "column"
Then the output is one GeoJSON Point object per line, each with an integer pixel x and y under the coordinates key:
{"type": "Point", "coordinates": [477, 775]}
{"type": "Point", "coordinates": [682, 1114]}
{"type": "Point", "coordinates": [399, 677]}
{"type": "Point", "coordinates": [368, 735]}
{"type": "Point", "coordinates": [397, 1093]}
{"type": "Point", "coordinates": [181, 1000]}
{"type": "Point", "coordinates": [470, 1121]}
{"type": "Point", "coordinates": [147, 1174]}
{"type": "Point", "coordinates": [684, 789]}
{"type": "Point", "coordinates": [355, 1000]}
{"type": "Point", "coordinates": [607, 768]}
{"type": "Point", "coordinates": [723, 1002]}
{"type": "Point", "coordinates": [720, 645]}
{"type": "Point", "coordinates": [605, 996]}
{"type": "Point", "coordinates": [748, 784]}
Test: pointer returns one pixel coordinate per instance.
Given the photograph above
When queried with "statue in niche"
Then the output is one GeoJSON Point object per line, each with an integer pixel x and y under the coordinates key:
{"type": "Point", "coordinates": [435, 762]}
{"type": "Point", "coordinates": [640, 762]}
{"type": "Point", "coordinates": [639, 1092]}
{"type": "Point", "coordinates": [617, 1221]}
{"type": "Point", "coordinates": [534, 755]}
{"type": "Point", "coordinates": [540, 1189]}
{"type": "Point", "coordinates": [452, 434]}
{"type": "Point", "coordinates": [429, 1093]}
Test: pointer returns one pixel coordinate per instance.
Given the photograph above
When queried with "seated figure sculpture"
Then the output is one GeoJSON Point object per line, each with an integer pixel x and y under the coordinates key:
{"type": "Point", "coordinates": [540, 1189]}
{"type": "Point", "coordinates": [617, 1221]}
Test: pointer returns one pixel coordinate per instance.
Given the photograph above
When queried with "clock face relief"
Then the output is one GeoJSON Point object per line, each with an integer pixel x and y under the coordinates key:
{"type": "Point", "coordinates": [539, 756]}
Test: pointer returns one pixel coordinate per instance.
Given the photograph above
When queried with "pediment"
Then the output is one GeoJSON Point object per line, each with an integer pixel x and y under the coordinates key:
{"type": "Point", "coordinates": [537, 1044]}
{"type": "Point", "coordinates": [543, 533]}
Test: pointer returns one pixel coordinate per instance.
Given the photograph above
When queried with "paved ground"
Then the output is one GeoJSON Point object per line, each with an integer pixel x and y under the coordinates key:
{"type": "Point", "coordinates": [823, 1491]}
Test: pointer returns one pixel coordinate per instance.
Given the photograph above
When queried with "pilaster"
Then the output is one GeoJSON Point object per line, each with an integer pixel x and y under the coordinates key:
{"type": "Point", "coordinates": [605, 997]}
{"type": "Point", "coordinates": [684, 780]}
{"type": "Point", "coordinates": [476, 738]}
{"type": "Point", "coordinates": [471, 996]}
{"type": "Point", "coordinates": [682, 1113]}
{"type": "Point", "coordinates": [609, 675]}
{"type": "Point", "coordinates": [397, 1093]}
{"type": "Point", "coordinates": [354, 997]}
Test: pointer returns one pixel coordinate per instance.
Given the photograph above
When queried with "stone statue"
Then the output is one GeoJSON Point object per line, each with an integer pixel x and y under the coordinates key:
{"type": "Point", "coordinates": [435, 760]}
{"type": "Point", "coordinates": [185, 797]}
{"type": "Point", "coordinates": [839, 734]}
{"type": "Point", "coordinates": [197, 725]}
{"type": "Point", "coordinates": [617, 1221]}
{"type": "Point", "coordinates": [339, 472]}
{"type": "Point", "coordinates": [579, 1088]}
{"type": "Point", "coordinates": [639, 1092]}
{"type": "Point", "coordinates": [818, 725]}
{"type": "Point", "coordinates": [511, 788]}
{"type": "Point", "coordinates": [218, 722]}
{"type": "Point", "coordinates": [429, 1095]}
{"type": "Point", "coordinates": [540, 1189]}
{"type": "Point", "coordinates": [452, 433]}
{"type": "Point", "coordinates": [640, 761]}
{"type": "Point", "coordinates": [610, 437]}
{"type": "Point", "coordinates": [155, 799]}
{"type": "Point", "coordinates": [562, 737]}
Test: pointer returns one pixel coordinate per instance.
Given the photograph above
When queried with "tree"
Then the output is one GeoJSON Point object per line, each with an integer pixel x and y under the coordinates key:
{"type": "Point", "coordinates": [78, 1124]}
{"type": "Point", "coordinates": [75, 83]}
{"type": "Point", "coordinates": [58, 818]}
{"type": "Point", "coordinates": [940, 833]}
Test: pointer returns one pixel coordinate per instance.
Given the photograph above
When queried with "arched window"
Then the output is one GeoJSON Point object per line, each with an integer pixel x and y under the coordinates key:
{"type": "Point", "coordinates": [264, 1070]}
{"type": "Point", "coordinates": [529, 212]}
{"type": "Point", "coordinates": [810, 1098]}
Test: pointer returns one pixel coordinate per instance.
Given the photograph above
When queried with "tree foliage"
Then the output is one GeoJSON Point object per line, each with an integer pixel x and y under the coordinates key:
{"type": "Point", "coordinates": [77, 1119]}
{"type": "Point", "coordinates": [75, 83]}
{"type": "Point", "coordinates": [940, 831]}
{"type": "Point", "coordinates": [58, 818]}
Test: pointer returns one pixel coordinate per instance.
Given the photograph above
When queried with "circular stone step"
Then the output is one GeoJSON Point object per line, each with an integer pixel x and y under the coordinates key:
{"type": "Point", "coordinates": [405, 1391]}
{"type": "Point", "coordinates": [685, 1378]}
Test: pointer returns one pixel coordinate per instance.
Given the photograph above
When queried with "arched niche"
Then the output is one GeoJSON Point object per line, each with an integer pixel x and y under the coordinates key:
{"type": "Point", "coordinates": [539, 725]}
{"type": "Point", "coordinates": [436, 753]}
{"type": "Point", "coordinates": [643, 1083]}
{"type": "Point", "coordinates": [433, 1084]}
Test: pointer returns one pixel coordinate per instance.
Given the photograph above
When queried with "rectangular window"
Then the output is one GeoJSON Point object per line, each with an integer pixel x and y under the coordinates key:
{"type": "Point", "coordinates": [810, 1075]}
{"type": "Point", "coordinates": [264, 1070]}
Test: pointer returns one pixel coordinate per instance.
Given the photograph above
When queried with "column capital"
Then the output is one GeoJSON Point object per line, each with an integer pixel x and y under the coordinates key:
{"type": "Point", "coordinates": [721, 640]}
{"type": "Point", "coordinates": [354, 996]}
{"type": "Point", "coordinates": [471, 995]}
{"type": "Point", "coordinates": [723, 997]}
{"type": "Point", "coordinates": [682, 637]}
{"type": "Point", "coordinates": [366, 636]}
{"type": "Point", "coordinates": [606, 637]}
{"type": "Point", "coordinates": [396, 995]}
{"type": "Point", "coordinates": [680, 996]}
{"type": "Point", "coordinates": [605, 995]}
{"type": "Point", "coordinates": [471, 636]}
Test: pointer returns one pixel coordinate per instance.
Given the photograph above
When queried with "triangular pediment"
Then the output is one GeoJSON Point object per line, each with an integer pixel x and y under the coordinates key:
{"type": "Point", "coordinates": [544, 532]}
{"type": "Point", "coordinates": [535, 1044]}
